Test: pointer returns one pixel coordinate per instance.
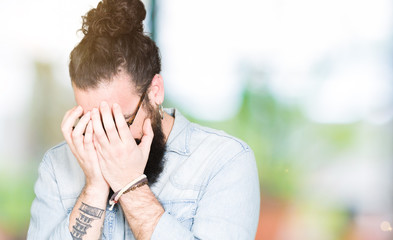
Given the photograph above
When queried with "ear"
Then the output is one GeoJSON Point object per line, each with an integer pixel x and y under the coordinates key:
{"type": "Point", "coordinates": [156, 90]}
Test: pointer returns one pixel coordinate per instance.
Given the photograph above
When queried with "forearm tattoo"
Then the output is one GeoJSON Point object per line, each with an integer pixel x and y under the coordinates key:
{"type": "Point", "coordinates": [87, 215]}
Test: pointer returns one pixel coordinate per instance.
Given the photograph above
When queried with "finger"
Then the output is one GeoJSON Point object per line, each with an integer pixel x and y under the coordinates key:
{"type": "Point", "coordinates": [97, 147]}
{"type": "Point", "coordinates": [147, 137]}
{"type": "Point", "coordinates": [98, 150]}
{"type": "Point", "coordinates": [77, 134]}
{"type": "Point", "coordinates": [97, 127]}
{"type": "Point", "coordinates": [88, 140]}
{"type": "Point", "coordinates": [67, 124]}
{"type": "Point", "coordinates": [108, 122]}
{"type": "Point", "coordinates": [69, 119]}
{"type": "Point", "coordinates": [68, 113]}
{"type": "Point", "coordinates": [122, 128]}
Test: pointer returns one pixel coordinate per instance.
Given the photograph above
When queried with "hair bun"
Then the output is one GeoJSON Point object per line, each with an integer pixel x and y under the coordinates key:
{"type": "Point", "coordinates": [114, 18]}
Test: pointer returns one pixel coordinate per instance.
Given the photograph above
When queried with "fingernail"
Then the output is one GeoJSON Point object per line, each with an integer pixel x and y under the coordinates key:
{"type": "Point", "coordinates": [115, 105]}
{"type": "Point", "coordinates": [94, 110]}
{"type": "Point", "coordinates": [79, 108]}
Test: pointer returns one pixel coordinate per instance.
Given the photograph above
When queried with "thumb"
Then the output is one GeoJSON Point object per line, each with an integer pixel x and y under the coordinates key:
{"type": "Point", "coordinates": [147, 137]}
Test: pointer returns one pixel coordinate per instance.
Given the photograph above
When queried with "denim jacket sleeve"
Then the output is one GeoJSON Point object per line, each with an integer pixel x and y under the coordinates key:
{"type": "Point", "coordinates": [49, 220]}
{"type": "Point", "coordinates": [228, 209]}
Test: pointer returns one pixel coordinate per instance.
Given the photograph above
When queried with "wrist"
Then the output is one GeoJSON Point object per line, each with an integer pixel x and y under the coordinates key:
{"type": "Point", "coordinates": [97, 189]}
{"type": "Point", "coordinates": [121, 184]}
{"type": "Point", "coordinates": [136, 183]}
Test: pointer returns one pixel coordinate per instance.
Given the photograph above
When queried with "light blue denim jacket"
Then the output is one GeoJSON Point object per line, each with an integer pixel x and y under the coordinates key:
{"type": "Point", "coordinates": [209, 189]}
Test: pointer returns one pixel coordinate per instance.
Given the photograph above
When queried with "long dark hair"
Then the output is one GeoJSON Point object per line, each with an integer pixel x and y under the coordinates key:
{"type": "Point", "coordinates": [114, 41]}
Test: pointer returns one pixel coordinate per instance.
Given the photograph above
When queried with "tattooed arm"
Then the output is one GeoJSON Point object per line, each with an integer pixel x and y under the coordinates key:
{"type": "Point", "coordinates": [87, 217]}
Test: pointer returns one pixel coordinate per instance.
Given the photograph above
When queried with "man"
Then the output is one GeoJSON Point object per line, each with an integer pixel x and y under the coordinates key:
{"type": "Point", "coordinates": [164, 177]}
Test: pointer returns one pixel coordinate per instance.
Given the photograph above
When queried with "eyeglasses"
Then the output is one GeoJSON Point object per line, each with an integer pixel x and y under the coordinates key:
{"type": "Point", "coordinates": [129, 123]}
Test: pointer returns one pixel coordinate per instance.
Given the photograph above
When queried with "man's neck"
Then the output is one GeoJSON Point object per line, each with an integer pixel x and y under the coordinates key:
{"type": "Point", "coordinates": [167, 124]}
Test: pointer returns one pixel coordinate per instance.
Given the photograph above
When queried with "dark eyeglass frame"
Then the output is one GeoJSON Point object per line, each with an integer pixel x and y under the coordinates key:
{"type": "Point", "coordinates": [129, 122]}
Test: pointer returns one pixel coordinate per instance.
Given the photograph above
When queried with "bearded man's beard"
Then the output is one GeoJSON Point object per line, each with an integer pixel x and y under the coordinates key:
{"type": "Point", "coordinates": [155, 162]}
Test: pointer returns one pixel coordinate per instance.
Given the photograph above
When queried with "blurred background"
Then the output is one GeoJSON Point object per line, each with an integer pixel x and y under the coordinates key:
{"type": "Point", "coordinates": [306, 83]}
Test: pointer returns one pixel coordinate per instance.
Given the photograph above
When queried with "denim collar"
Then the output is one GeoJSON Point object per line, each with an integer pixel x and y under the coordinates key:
{"type": "Point", "coordinates": [178, 140]}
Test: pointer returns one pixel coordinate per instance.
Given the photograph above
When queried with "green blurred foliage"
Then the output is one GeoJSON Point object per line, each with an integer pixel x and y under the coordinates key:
{"type": "Point", "coordinates": [16, 189]}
